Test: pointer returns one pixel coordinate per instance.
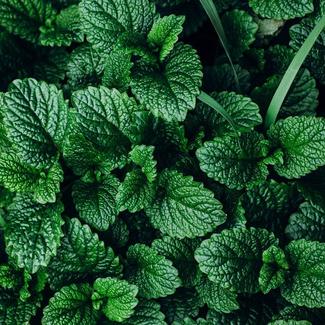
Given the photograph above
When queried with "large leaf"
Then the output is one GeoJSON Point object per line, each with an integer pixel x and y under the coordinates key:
{"type": "Point", "coordinates": [305, 285]}
{"type": "Point", "coordinates": [115, 297]}
{"type": "Point", "coordinates": [183, 207]}
{"type": "Point", "coordinates": [103, 21]}
{"type": "Point", "coordinates": [81, 255]}
{"type": "Point", "coordinates": [282, 9]}
{"type": "Point", "coordinates": [36, 120]}
{"type": "Point", "coordinates": [24, 17]}
{"type": "Point", "coordinates": [307, 223]}
{"type": "Point", "coordinates": [302, 140]}
{"type": "Point", "coordinates": [19, 177]}
{"type": "Point", "coordinates": [233, 258]}
{"type": "Point", "coordinates": [96, 202]}
{"type": "Point", "coordinates": [33, 232]}
{"type": "Point", "coordinates": [152, 273]}
{"type": "Point", "coordinates": [171, 90]}
{"type": "Point", "coordinates": [71, 306]}
{"type": "Point", "coordinates": [235, 162]}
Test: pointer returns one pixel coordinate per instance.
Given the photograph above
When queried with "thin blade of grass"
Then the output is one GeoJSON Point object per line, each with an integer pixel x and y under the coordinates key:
{"type": "Point", "coordinates": [208, 100]}
{"type": "Point", "coordinates": [291, 73]}
{"type": "Point", "coordinates": [214, 17]}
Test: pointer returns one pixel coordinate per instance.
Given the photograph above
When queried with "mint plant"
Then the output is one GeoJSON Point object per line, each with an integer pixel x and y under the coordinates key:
{"type": "Point", "coordinates": [160, 168]}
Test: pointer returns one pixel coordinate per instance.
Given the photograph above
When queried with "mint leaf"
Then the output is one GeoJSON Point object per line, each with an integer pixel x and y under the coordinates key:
{"type": "Point", "coordinates": [33, 232]}
{"type": "Point", "coordinates": [235, 162]}
{"type": "Point", "coordinates": [221, 299]}
{"type": "Point", "coordinates": [81, 255]}
{"type": "Point", "coordinates": [85, 67]}
{"type": "Point", "coordinates": [35, 119]}
{"type": "Point", "coordinates": [301, 98]}
{"type": "Point", "coordinates": [96, 202]}
{"type": "Point", "coordinates": [13, 311]}
{"type": "Point", "coordinates": [302, 142]}
{"type": "Point", "coordinates": [184, 303]}
{"type": "Point", "coordinates": [23, 18]}
{"type": "Point", "coordinates": [117, 73]}
{"type": "Point", "coordinates": [143, 156]}
{"type": "Point", "coordinates": [281, 9]}
{"type": "Point", "coordinates": [183, 207]}
{"type": "Point", "coordinates": [171, 92]}
{"type": "Point", "coordinates": [135, 192]}
{"type": "Point", "coordinates": [152, 273]}
{"type": "Point", "coordinates": [233, 258]}
{"type": "Point", "coordinates": [267, 204]}
{"type": "Point", "coordinates": [147, 312]}
{"type": "Point", "coordinates": [243, 111]}
{"type": "Point", "coordinates": [64, 29]}
{"type": "Point", "coordinates": [181, 253]}
{"type": "Point", "coordinates": [20, 177]}
{"type": "Point", "coordinates": [164, 34]}
{"type": "Point", "coordinates": [107, 117]}
{"type": "Point", "coordinates": [273, 271]}
{"type": "Point", "coordinates": [71, 306]}
{"type": "Point", "coordinates": [103, 21]}
{"type": "Point", "coordinates": [305, 283]}
{"type": "Point", "coordinates": [240, 29]}
{"type": "Point", "coordinates": [119, 298]}
{"type": "Point", "coordinates": [308, 223]}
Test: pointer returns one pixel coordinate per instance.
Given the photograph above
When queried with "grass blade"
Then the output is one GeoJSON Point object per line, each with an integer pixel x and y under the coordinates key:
{"type": "Point", "coordinates": [208, 100]}
{"type": "Point", "coordinates": [214, 17]}
{"type": "Point", "coordinates": [291, 73]}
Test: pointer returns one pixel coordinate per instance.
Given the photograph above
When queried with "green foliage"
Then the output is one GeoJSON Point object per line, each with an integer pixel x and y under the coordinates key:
{"type": "Point", "coordinates": [138, 185]}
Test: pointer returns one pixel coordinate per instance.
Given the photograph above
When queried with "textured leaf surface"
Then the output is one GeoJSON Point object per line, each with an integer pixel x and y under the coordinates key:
{"type": "Point", "coordinates": [235, 162]}
{"type": "Point", "coordinates": [81, 255]}
{"type": "Point", "coordinates": [243, 111]}
{"type": "Point", "coordinates": [302, 140]}
{"type": "Point", "coordinates": [147, 312]}
{"type": "Point", "coordinates": [119, 295]}
{"type": "Point", "coordinates": [308, 223]}
{"type": "Point", "coordinates": [240, 30]}
{"type": "Point", "coordinates": [135, 192]}
{"type": "Point", "coordinates": [143, 156]}
{"type": "Point", "coordinates": [71, 306]}
{"type": "Point", "coordinates": [96, 202]}
{"type": "Point", "coordinates": [183, 207]}
{"type": "Point", "coordinates": [13, 311]}
{"type": "Point", "coordinates": [105, 20]}
{"type": "Point", "coordinates": [117, 72]}
{"type": "Point", "coordinates": [184, 303]}
{"type": "Point", "coordinates": [152, 273]}
{"type": "Point", "coordinates": [272, 273]}
{"type": "Point", "coordinates": [85, 67]}
{"type": "Point", "coordinates": [302, 98]}
{"type": "Point", "coordinates": [36, 119]}
{"type": "Point", "coordinates": [305, 285]}
{"type": "Point", "coordinates": [106, 117]}
{"type": "Point", "coordinates": [164, 34]}
{"type": "Point", "coordinates": [19, 177]}
{"type": "Point", "coordinates": [33, 232]}
{"type": "Point", "coordinates": [64, 29]}
{"type": "Point", "coordinates": [170, 93]}
{"type": "Point", "coordinates": [233, 258]}
{"type": "Point", "coordinates": [282, 9]}
{"type": "Point", "coordinates": [267, 204]}
{"type": "Point", "coordinates": [24, 17]}
{"type": "Point", "coordinates": [217, 297]}
{"type": "Point", "coordinates": [316, 57]}
{"type": "Point", "coordinates": [181, 253]}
